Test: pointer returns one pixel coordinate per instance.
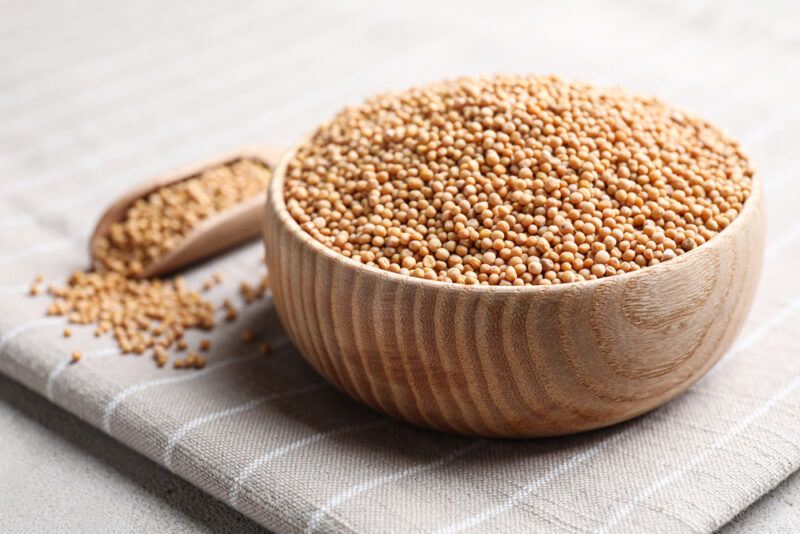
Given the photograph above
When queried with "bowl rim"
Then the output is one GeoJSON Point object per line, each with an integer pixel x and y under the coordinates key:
{"type": "Point", "coordinates": [276, 198]}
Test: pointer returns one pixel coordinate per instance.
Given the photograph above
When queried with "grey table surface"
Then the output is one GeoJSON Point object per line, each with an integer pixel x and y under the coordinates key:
{"type": "Point", "coordinates": [58, 474]}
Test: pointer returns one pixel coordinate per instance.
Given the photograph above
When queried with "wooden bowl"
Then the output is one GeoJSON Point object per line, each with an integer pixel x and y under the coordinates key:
{"type": "Point", "coordinates": [512, 361]}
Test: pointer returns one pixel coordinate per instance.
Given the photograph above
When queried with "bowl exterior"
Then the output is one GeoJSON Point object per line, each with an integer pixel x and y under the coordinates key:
{"type": "Point", "coordinates": [527, 362]}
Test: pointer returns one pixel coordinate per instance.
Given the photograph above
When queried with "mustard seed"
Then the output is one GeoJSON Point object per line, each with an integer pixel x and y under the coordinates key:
{"type": "Point", "coordinates": [192, 360]}
{"type": "Point", "coordinates": [160, 356]}
{"type": "Point", "coordinates": [515, 180]}
{"type": "Point", "coordinates": [247, 291]}
{"type": "Point", "coordinates": [76, 356]}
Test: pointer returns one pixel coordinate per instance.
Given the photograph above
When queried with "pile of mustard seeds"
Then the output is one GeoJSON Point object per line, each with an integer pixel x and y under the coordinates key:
{"type": "Point", "coordinates": [140, 314]}
{"type": "Point", "coordinates": [152, 315]}
{"type": "Point", "coordinates": [155, 225]}
{"type": "Point", "coordinates": [145, 316]}
{"type": "Point", "coordinates": [515, 180]}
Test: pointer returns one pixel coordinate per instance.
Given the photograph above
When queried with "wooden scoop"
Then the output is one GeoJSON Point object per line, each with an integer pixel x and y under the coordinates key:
{"type": "Point", "coordinates": [213, 235]}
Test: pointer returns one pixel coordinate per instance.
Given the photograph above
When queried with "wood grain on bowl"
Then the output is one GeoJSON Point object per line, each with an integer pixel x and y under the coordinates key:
{"type": "Point", "coordinates": [513, 361]}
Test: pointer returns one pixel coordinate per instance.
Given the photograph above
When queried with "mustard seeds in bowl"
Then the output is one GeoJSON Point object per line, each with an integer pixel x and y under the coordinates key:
{"type": "Point", "coordinates": [515, 180]}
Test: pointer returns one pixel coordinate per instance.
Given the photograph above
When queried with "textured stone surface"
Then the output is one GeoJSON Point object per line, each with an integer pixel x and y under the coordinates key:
{"type": "Point", "coordinates": [58, 474]}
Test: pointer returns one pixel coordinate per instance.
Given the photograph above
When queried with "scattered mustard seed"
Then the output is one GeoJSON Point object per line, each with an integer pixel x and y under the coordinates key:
{"type": "Point", "coordinates": [264, 348]}
{"type": "Point", "coordinates": [140, 314]}
{"type": "Point", "coordinates": [160, 356]}
{"type": "Point", "coordinates": [248, 292]}
{"type": "Point", "coordinates": [192, 360]}
{"type": "Point", "coordinates": [515, 180]}
{"type": "Point", "coordinates": [230, 311]}
{"type": "Point", "coordinates": [76, 356]}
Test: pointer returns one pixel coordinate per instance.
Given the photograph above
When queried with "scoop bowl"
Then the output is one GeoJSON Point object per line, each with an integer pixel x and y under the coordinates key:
{"type": "Point", "coordinates": [212, 236]}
